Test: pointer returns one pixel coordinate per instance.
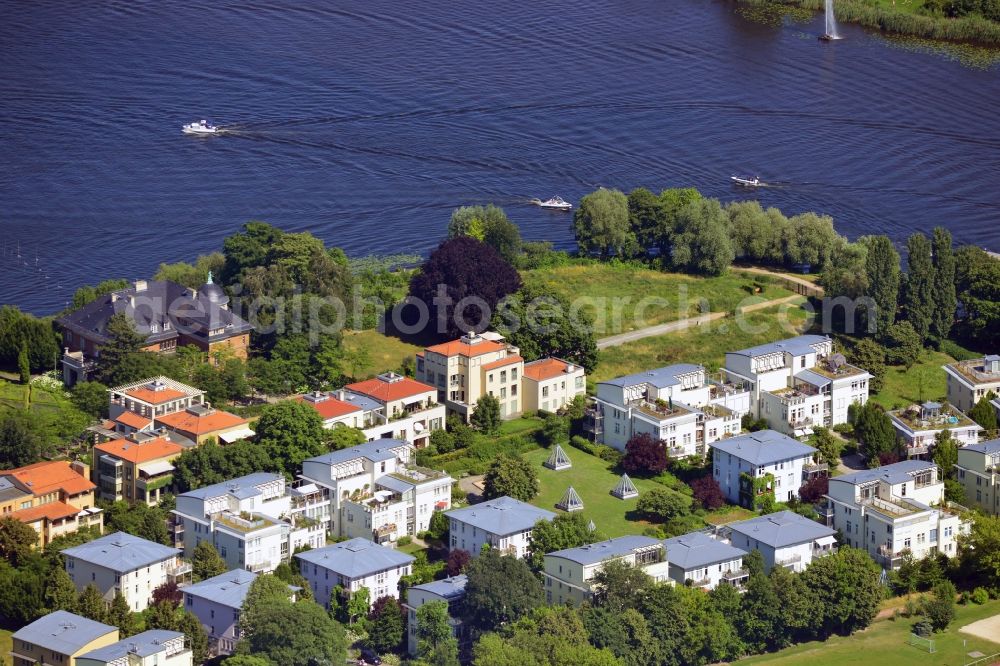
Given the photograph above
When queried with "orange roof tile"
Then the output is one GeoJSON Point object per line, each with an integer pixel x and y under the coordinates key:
{"type": "Point", "coordinates": [46, 477]}
{"type": "Point", "coordinates": [133, 420]}
{"type": "Point", "coordinates": [196, 424]}
{"type": "Point", "coordinates": [155, 397]}
{"type": "Point", "coordinates": [510, 360]}
{"type": "Point", "coordinates": [49, 511]}
{"type": "Point", "coordinates": [459, 348]}
{"type": "Point", "coordinates": [545, 368]}
{"type": "Point", "coordinates": [331, 407]}
{"type": "Point", "coordinates": [153, 449]}
{"type": "Point", "coordinates": [388, 391]}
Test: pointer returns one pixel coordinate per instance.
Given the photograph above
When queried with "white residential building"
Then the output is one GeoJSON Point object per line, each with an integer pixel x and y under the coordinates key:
{"type": "Point", "coordinates": [978, 470]}
{"type": "Point", "coordinates": [157, 647]}
{"type": "Point", "coordinates": [798, 383]}
{"type": "Point", "coordinates": [255, 521]}
{"type": "Point", "coordinates": [353, 565]}
{"type": "Point", "coordinates": [568, 575]}
{"type": "Point", "coordinates": [217, 603]}
{"type": "Point", "coordinates": [737, 461]}
{"type": "Point", "coordinates": [894, 509]}
{"type": "Point", "coordinates": [971, 381]}
{"type": "Point", "coordinates": [449, 590]}
{"type": "Point", "coordinates": [375, 491]}
{"type": "Point", "coordinates": [698, 560]}
{"type": "Point", "coordinates": [785, 539]}
{"type": "Point", "coordinates": [677, 404]}
{"type": "Point", "coordinates": [503, 523]}
{"type": "Point", "coordinates": [126, 564]}
{"type": "Point", "coordinates": [918, 426]}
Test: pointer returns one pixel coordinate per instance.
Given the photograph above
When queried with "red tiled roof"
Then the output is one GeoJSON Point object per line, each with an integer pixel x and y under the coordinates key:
{"type": "Point", "coordinates": [155, 397]}
{"type": "Point", "coordinates": [510, 360]}
{"type": "Point", "coordinates": [331, 407]}
{"type": "Point", "coordinates": [459, 348]}
{"type": "Point", "coordinates": [153, 449]}
{"type": "Point", "coordinates": [49, 511]}
{"type": "Point", "coordinates": [389, 391]}
{"type": "Point", "coordinates": [214, 421]}
{"type": "Point", "coordinates": [133, 420]}
{"type": "Point", "coordinates": [545, 368]}
{"type": "Point", "coordinates": [45, 477]}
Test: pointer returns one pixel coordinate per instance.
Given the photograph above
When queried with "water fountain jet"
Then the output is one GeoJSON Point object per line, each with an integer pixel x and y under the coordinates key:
{"type": "Point", "coordinates": [831, 24]}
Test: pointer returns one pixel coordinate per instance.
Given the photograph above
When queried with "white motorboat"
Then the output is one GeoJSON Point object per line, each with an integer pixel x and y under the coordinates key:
{"type": "Point", "coordinates": [747, 181]}
{"type": "Point", "coordinates": [555, 203]}
{"type": "Point", "coordinates": [200, 127]}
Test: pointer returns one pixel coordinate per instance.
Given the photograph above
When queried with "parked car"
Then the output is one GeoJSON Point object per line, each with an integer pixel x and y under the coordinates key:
{"type": "Point", "coordinates": [369, 658]}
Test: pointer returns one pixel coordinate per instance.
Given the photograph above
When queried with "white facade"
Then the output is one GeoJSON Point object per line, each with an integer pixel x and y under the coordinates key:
{"type": "Point", "coordinates": [551, 383]}
{"type": "Point", "coordinates": [918, 426]}
{"type": "Point", "coordinates": [156, 647]}
{"type": "Point", "coordinates": [125, 564]}
{"type": "Point", "coordinates": [798, 383]}
{"type": "Point", "coordinates": [504, 523]}
{"type": "Point", "coordinates": [676, 404]}
{"type": "Point", "coordinates": [784, 539]}
{"type": "Point", "coordinates": [699, 560]}
{"type": "Point", "coordinates": [376, 493]}
{"type": "Point", "coordinates": [448, 590]}
{"type": "Point", "coordinates": [894, 509]}
{"type": "Point", "coordinates": [758, 454]}
{"type": "Point", "coordinates": [568, 575]}
{"type": "Point", "coordinates": [971, 381]}
{"type": "Point", "coordinates": [353, 565]}
{"type": "Point", "coordinates": [255, 522]}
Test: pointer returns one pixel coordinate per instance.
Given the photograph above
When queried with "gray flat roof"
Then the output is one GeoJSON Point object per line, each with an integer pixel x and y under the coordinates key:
{"type": "Point", "coordinates": [394, 483]}
{"type": "Point", "coordinates": [144, 645]}
{"type": "Point", "coordinates": [501, 516]}
{"type": "Point", "coordinates": [602, 550]}
{"type": "Point", "coordinates": [697, 549]}
{"type": "Point", "coordinates": [763, 447]}
{"type": "Point", "coordinates": [446, 588]}
{"type": "Point", "coordinates": [990, 447]}
{"type": "Point", "coordinates": [813, 378]}
{"type": "Point", "coordinates": [376, 451]}
{"type": "Point", "coordinates": [122, 552]}
{"type": "Point", "coordinates": [228, 589]}
{"type": "Point", "coordinates": [894, 473]}
{"type": "Point", "coordinates": [796, 346]}
{"type": "Point", "coordinates": [62, 632]}
{"type": "Point", "coordinates": [356, 558]}
{"type": "Point", "coordinates": [660, 377]}
{"type": "Point", "coordinates": [781, 529]}
{"type": "Point", "coordinates": [241, 487]}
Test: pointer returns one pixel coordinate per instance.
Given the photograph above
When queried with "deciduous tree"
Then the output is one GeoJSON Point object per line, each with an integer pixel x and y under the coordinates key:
{"type": "Point", "coordinates": [16, 540]}
{"type": "Point", "coordinates": [436, 645]}
{"type": "Point", "coordinates": [206, 562]}
{"type": "Point", "coordinates": [985, 415]}
{"type": "Point", "coordinates": [663, 504]}
{"type": "Point", "coordinates": [458, 561]}
{"type": "Point", "coordinates": [90, 604]}
{"type": "Point", "coordinates": [566, 530]}
{"type": "Point", "coordinates": [645, 455]}
{"type": "Point", "coordinates": [500, 589]}
{"type": "Point", "coordinates": [707, 492]}
{"type": "Point", "coordinates": [290, 432]}
{"type": "Point", "coordinates": [512, 476]}
{"type": "Point", "coordinates": [471, 275]}
{"type": "Point", "coordinates": [486, 415]}
{"type": "Point", "coordinates": [601, 224]}
{"type": "Point", "coordinates": [60, 591]}
{"type": "Point", "coordinates": [385, 625]}
{"type": "Point", "coordinates": [620, 586]}
{"type": "Point", "coordinates": [702, 242]}
{"type": "Point", "coordinates": [848, 589]}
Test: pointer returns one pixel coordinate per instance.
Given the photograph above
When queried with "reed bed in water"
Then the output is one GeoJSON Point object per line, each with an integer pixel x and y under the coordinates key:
{"type": "Point", "coordinates": [869, 14]}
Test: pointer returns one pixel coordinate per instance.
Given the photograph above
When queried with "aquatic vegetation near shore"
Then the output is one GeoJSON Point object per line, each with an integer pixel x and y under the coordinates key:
{"type": "Point", "coordinates": [774, 14]}
{"type": "Point", "coordinates": [966, 29]}
{"type": "Point", "coordinates": [970, 55]}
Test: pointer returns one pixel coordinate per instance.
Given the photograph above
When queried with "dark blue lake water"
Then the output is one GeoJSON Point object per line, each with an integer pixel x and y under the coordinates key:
{"type": "Point", "coordinates": [367, 121]}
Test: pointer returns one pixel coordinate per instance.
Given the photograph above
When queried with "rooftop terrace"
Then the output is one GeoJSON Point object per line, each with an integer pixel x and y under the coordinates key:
{"type": "Point", "coordinates": [917, 417]}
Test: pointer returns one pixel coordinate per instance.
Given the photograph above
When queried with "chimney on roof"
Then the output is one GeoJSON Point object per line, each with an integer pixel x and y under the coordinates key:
{"type": "Point", "coordinates": [140, 286]}
{"type": "Point", "coordinates": [570, 367]}
{"type": "Point", "coordinates": [81, 468]}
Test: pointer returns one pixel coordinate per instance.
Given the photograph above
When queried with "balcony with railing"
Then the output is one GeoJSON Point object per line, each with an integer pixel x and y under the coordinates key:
{"type": "Point", "coordinates": [736, 578]}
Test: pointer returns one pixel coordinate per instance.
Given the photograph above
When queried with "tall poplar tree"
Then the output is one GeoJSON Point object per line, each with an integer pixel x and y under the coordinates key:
{"type": "Point", "coordinates": [918, 301]}
{"type": "Point", "coordinates": [882, 268]}
{"type": "Point", "coordinates": [945, 299]}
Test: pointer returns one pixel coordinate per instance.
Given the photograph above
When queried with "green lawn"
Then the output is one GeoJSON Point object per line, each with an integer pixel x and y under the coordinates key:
{"type": "Point", "coordinates": [926, 380]}
{"type": "Point", "coordinates": [885, 644]}
{"type": "Point", "coordinates": [381, 352]}
{"type": "Point", "coordinates": [593, 479]}
{"type": "Point", "coordinates": [706, 344]}
{"type": "Point", "coordinates": [616, 290]}
{"type": "Point", "coordinates": [6, 645]}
